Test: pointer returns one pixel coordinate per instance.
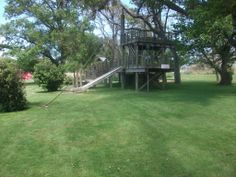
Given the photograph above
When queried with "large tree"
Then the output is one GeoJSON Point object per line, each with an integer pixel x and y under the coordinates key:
{"type": "Point", "coordinates": [204, 20]}
{"type": "Point", "coordinates": [41, 27]}
{"type": "Point", "coordinates": [209, 33]}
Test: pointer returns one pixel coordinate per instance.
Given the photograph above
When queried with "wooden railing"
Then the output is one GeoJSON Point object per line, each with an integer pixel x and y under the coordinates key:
{"type": "Point", "coordinates": [134, 35]}
{"type": "Point", "coordinates": [148, 63]}
{"type": "Point", "coordinates": [97, 69]}
{"type": "Point", "coordinates": [101, 67]}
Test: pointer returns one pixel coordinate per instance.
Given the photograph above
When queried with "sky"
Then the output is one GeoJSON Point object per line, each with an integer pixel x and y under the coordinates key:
{"type": "Point", "coordinates": [2, 4]}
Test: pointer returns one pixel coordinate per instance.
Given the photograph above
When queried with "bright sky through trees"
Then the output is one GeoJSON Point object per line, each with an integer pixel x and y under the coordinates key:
{"type": "Point", "coordinates": [3, 20]}
{"type": "Point", "coordinates": [2, 5]}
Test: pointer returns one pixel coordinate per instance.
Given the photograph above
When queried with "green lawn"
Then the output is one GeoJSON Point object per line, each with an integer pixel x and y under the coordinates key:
{"type": "Point", "coordinates": [184, 131]}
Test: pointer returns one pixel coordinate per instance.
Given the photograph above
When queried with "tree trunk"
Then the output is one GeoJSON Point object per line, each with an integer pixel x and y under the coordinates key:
{"type": "Point", "coordinates": [80, 78]}
{"type": "Point", "coordinates": [217, 76]}
{"type": "Point", "coordinates": [225, 78]}
{"type": "Point", "coordinates": [225, 72]}
{"type": "Point", "coordinates": [76, 79]}
{"type": "Point", "coordinates": [176, 66]}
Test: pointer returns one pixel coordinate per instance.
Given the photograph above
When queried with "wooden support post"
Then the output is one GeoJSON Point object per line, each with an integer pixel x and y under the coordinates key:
{"type": "Point", "coordinates": [122, 80]}
{"type": "Point", "coordinates": [136, 56]}
{"type": "Point", "coordinates": [136, 82]}
{"type": "Point", "coordinates": [122, 22]}
{"type": "Point", "coordinates": [105, 82]}
{"type": "Point", "coordinates": [119, 78]}
{"type": "Point", "coordinates": [164, 80]}
{"type": "Point", "coordinates": [110, 81]}
{"type": "Point", "coordinates": [122, 38]}
{"type": "Point", "coordinates": [177, 67]}
{"type": "Point", "coordinates": [122, 61]}
{"type": "Point", "coordinates": [142, 56]}
{"type": "Point", "coordinates": [148, 81]}
{"type": "Point", "coordinates": [130, 59]}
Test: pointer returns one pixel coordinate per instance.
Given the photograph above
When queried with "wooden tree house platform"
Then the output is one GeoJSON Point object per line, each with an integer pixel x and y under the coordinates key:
{"type": "Point", "coordinates": [146, 57]}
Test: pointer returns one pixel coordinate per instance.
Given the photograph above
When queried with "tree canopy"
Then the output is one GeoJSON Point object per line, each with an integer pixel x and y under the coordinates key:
{"type": "Point", "coordinates": [208, 33]}
{"type": "Point", "coordinates": [42, 28]}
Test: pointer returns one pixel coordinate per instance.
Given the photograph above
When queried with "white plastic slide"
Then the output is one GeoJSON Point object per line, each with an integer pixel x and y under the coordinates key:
{"type": "Point", "coordinates": [98, 80]}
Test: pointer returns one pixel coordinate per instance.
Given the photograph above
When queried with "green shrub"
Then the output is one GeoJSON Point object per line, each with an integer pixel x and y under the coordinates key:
{"type": "Point", "coordinates": [48, 76]}
{"type": "Point", "coordinates": [68, 80]}
{"type": "Point", "coordinates": [12, 97]}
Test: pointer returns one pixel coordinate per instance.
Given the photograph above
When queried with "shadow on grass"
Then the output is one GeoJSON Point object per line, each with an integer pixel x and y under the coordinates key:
{"type": "Point", "coordinates": [45, 91]}
{"type": "Point", "coordinates": [199, 92]}
{"type": "Point", "coordinates": [35, 104]}
{"type": "Point", "coordinates": [28, 106]}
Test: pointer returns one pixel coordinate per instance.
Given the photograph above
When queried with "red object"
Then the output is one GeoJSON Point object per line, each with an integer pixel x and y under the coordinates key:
{"type": "Point", "coordinates": [27, 76]}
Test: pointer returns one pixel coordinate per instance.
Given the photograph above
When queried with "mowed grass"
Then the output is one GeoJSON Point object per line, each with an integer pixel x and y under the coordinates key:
{"type": "Point", "coordinates": [183, 131]}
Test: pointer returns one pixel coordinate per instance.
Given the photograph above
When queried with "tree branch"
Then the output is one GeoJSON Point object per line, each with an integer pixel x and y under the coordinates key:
{"type": "Point", "coordinates": [171, 5]}
{"type": "Point", "coordinates": [211, 63]}
{"type": "Point", "coordinates": [5, 46]}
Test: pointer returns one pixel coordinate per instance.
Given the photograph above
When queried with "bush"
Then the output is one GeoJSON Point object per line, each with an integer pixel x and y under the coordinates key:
{"type": "Point", "coordinates": [12, 97]}
{"type": "Point", "coordinates": [68, 80]}
{"type": "Point", "coordinates": [48, 76]}
{"type": "Point", "coordinates": [27, 64]}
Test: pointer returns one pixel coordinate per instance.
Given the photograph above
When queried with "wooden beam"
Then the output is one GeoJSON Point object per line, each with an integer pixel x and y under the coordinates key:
{"type": "Point", "coordinates": [136, 55]}
{"type": "Point", "coordinates": [176, 67]}
{"type": "Point", "coordinates": [135, 69]}
{"type": "Point", "coordinates": [122, 33]}
{"type": "Point", "coordinates": [110, 81]}
{"type": "Point", "coordinates": [148, 81]}
{"type": "Point", "coordinates": [122, 80]}
{"type": "Point", "coordinates": [164, 80]}
{"type": "Point", "coordinates": [156, 76]}
{"type": "Point", "coordinates": [105, 82]}
{"type": "Point", "coordinates": [136, 82]}
{"type": "Point", "coordinates": [122, 37]}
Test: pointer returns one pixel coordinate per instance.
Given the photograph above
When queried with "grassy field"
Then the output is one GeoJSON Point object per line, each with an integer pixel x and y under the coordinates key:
{"type": "Point", "coordinates": [183, 131]}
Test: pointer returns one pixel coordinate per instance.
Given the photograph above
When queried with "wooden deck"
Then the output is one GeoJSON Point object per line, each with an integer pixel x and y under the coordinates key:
{"type": "Point", "coordinates": [145, 57]}
{"type": "Point", "coordinates": [142, 42]}
{"type": "Point", "coordinates": [142, 37]}
{"type": "Point", "coordinates": [147, 69]}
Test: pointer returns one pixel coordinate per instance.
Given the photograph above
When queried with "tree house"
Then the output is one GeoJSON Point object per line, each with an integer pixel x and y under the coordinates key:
{"type": "Point", "coordinates": [146, 57]}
